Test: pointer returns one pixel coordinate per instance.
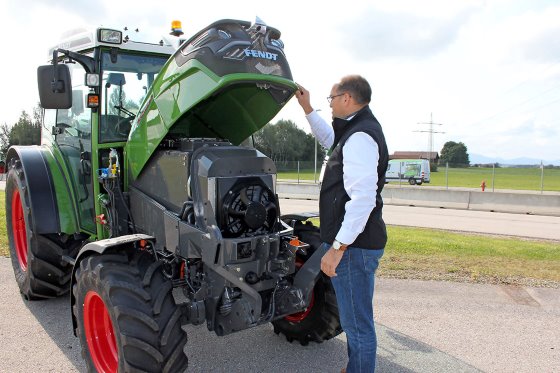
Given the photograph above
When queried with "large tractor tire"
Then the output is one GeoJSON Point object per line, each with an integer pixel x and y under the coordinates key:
{"type": "Point", "coordinates": [127, 318]}
{"type": "Point", "coordinates": [37, 260]}
{"type": "Point", "coordinates": [320, 321]}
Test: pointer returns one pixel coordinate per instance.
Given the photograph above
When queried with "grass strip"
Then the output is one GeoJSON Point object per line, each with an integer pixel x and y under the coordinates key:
{"type": "Point", "coordinates": [432, 254]}
{"type": "Point", "coordinates": [4, 251]}
{"type": "Point", "coordinates": [443, 255]}
{"type": "Point", "coordinates": [470, 177]}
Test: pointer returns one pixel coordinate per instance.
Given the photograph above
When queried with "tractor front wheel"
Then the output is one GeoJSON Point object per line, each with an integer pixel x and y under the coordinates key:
{"type": "Point", "coordinates": [127, 318]}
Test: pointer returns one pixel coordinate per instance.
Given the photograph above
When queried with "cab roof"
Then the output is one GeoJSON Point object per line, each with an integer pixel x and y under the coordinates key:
{"type": "Point", "coordinates": [82, 40]}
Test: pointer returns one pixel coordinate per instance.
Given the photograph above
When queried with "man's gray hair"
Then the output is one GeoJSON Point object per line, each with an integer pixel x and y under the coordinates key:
{"type": "Point", "coordinates": [358, 88]}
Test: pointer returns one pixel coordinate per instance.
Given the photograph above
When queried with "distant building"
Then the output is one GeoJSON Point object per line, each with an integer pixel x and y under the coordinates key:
{"type": "Point", "coordinates": [433, 157]}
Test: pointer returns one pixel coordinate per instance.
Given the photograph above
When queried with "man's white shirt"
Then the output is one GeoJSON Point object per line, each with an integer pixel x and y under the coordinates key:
{"type": "Point", "coordinates": [359, 165]}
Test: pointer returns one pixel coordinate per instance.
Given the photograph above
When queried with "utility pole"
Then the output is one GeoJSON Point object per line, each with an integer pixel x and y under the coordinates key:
{"type": "Point", "coordinates": [315, 168]}
{"type": "Point", "coordinates": [430, 135]}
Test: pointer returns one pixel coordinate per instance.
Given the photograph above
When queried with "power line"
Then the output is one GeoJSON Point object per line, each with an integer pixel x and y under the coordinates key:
{"type": "Point", "coordinates": [516, 106]}
{"type": "Point", "coordinates": [541, 70]}
{"type": "Point", "coordinates": [531, 110]}
{"type": "Point", "coordinates": [523, 82]}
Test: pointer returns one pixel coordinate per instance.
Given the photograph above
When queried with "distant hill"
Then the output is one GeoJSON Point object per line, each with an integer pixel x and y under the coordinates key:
{"type": "Point", "coordinates": [477, 158]}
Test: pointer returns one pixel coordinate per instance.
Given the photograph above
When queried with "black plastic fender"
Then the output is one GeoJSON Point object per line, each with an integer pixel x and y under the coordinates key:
{"type": "Point", "coordinates": [308, 274]}
{"type": "Point", "coordinates": [98, 248]}
{"type": "Point", "coordinates": [41, 189]}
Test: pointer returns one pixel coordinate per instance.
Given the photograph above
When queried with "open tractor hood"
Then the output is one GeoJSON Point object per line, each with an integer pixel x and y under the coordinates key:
{"type": "Point", "coordinates": [226, 82]}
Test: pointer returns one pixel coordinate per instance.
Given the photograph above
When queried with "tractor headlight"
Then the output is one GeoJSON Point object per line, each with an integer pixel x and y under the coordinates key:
{"type": "Point", "coordinates": [92, 80]}
{"type": "Point", "coordinates": [109, 36]}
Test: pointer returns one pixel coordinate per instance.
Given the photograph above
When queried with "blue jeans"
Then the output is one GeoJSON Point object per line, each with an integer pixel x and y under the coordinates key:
{"type": "Point", "coordinates": [353, 285]}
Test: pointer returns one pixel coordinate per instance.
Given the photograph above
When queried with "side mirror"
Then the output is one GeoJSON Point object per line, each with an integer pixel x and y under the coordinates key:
{"type": "Point", "coordinates": [55, 86]}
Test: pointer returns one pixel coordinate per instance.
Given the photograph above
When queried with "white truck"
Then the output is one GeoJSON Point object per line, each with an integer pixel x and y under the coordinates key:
{"type": "Point", "coordinates": [415, 171]}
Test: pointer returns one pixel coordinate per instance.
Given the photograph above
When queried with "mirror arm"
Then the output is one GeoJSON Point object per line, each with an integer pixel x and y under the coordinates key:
{"type": "Point", "coordinates": [87, 62]}
{"type": "Point", "coordinates": [56, 85]}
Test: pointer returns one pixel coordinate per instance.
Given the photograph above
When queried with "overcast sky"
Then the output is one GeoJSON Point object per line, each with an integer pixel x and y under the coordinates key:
{"type": "Point", "coordinates": [488, 71]}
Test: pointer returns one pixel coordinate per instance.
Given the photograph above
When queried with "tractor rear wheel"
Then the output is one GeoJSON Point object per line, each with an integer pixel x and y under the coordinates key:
{"type": "Point", "coordinates": [320, 320]}
{"type": "Point", "coordinates": [37, 260]}
{"type": "Point", "coordinates": [127, 318]}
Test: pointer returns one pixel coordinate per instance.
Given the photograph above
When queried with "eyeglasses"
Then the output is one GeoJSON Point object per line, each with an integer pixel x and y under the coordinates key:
{"type": "Point", "coordinates": [330, 98]}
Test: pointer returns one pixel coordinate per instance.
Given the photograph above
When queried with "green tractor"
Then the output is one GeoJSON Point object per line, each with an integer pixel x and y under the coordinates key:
{"type": "Point", "coordinates": [147, 201]}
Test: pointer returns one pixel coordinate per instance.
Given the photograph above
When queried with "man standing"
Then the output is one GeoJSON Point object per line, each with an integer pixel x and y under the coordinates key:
{"type": "Point", "coordinates": [350, 207]}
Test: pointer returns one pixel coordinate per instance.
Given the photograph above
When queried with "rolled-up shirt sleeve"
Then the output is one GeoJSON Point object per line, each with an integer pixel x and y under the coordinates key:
{"type": "Point", "coordinates": [360, 160]}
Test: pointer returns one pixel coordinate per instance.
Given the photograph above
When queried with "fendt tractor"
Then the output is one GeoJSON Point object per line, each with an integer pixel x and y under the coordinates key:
{"type": "Point", "coordinates": [147, 201]}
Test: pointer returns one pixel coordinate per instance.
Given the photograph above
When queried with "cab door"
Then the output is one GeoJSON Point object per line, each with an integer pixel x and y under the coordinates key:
{"type": "Point", "coordinates": [72, 134]}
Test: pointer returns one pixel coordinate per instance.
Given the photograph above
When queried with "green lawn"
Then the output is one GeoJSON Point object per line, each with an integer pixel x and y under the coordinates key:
{"type": "Point", "coordinates": [438, 254]}
{"type": "Point", "coordinates": [3, 236]}
{"type": "Point", "coordinates": [504, 178]}
{"type": "Point", "coordinates": [307, 175]}
{"type": "Point", "coordinates": [432, 254]}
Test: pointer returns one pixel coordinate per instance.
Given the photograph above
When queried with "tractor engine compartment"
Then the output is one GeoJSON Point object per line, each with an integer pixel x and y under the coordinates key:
{"type": "Point", "coordinates": [212, 208]}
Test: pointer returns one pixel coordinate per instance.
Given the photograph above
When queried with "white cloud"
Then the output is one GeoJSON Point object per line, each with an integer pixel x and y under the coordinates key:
{"type": "Point", "coordinates": [376, 33]}
{"type": "Point", "coordinates": [488, 70]}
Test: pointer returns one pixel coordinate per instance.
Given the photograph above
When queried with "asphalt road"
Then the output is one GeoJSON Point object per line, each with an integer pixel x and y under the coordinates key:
{"type": "Point", "coordinates": [423, 326]}
{"type": "Point", "coordinates": [521, 225]}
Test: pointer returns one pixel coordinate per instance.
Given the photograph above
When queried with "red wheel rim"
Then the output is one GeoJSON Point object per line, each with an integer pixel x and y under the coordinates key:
{"type": "Point", "coordinates": [19, 231]}
{"type": "Point", "coordinates": [300, 316]}
{"type": "Point", "coordinates": [100, 337]}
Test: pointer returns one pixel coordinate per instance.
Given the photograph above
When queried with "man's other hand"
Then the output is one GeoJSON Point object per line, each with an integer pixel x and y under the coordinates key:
{"type": "Point", "coordinates": [330, 261]}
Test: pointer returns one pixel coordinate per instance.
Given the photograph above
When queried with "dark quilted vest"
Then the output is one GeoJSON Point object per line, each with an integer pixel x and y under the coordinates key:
{"type": "Point", "coordinates": [333, 196]}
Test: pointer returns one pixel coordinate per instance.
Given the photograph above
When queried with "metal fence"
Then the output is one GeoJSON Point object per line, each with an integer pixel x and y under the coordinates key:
{"type": "Point", "coordinates": [488, 177]}
{"type": "Point", "coordinates": [300, 171]}
{"type": "Point", "coordinates": [495, 176]}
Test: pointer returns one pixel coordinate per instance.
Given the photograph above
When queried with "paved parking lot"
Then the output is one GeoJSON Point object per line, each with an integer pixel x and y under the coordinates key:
{"type": "Point", "coordinates": [422, 326]}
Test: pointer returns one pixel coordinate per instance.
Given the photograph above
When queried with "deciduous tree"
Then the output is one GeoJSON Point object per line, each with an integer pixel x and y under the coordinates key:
{"type": "Point", "coordinates": [26, 131]}
{"type": "Point", "coordinates": [454, 153]}
{"type": "Point", "coordinates": [284, 141]}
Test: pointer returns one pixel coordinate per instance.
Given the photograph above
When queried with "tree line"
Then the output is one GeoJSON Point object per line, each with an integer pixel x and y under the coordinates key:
{"type": "Point", "coordinates": [282, 141]}
{"type": "Point", "coordinates": [26, 131]}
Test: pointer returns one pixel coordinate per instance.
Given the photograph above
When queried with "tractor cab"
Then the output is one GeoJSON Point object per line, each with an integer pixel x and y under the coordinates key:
{"type": "Point", "coordinates": [106, 90]}
{"type": "Point", "coordinates": [91, 93]}
{"type": "Point", "coordinates": [141, 200]}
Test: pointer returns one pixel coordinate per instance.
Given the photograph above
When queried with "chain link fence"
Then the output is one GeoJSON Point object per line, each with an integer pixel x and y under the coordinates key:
{"type": "Point", "coordinates": [300, 171]}
{"type": "Point", "coordinates": [495, 176]}
{"type": "Point", "coordinates": [487, 177]}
